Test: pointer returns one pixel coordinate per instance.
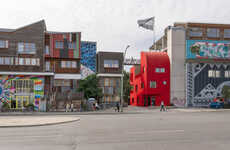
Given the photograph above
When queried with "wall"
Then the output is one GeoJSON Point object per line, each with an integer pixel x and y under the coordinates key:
{"type": "Point", "coordinates": [176, 52]}
{"type": "Point", "coordinates": [8, 90]}
{"type": "Point", "coordinates": [207, 49]}
{"type": "Point", "coordinates": [33, 33]}
{"type": "Point", "coordinates": [88, 58]}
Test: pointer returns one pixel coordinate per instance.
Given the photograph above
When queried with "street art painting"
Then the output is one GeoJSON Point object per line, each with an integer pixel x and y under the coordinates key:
{"type": "Point", "coordinates": [207, 49]}
{"type": "Point", "coordinates": [22, 90]}
{"type": "Point", "coordinates": [88, 58]}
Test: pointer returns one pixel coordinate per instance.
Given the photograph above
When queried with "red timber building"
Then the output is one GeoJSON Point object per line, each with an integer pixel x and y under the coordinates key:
{"type": "Point", "coordinates": [150, 80]}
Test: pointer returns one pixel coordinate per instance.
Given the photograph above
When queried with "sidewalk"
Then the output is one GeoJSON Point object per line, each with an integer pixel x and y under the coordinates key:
{"type": "Point", "coordinates": [30, 121]}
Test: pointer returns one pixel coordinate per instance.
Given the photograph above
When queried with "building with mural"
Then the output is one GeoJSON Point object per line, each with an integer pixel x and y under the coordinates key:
{"type": "Point", "coordinates": [36, 63]}
{"type": "Point", "coordinates": [199, 60]}
{"type": "Point", "coordinates": [150, 81]}
{"type": "Point", "coordinates": [22, 76]}
{"type": "Point", "coordinates": [88, 58]}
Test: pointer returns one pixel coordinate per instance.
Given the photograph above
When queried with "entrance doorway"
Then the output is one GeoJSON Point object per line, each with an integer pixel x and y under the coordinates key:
{"type": "Point", "coordinates": [153, 99]}
{"type": "Point", "coordinates": [22, 101]}
{"type": "Point", "coordinates": [149, 101]}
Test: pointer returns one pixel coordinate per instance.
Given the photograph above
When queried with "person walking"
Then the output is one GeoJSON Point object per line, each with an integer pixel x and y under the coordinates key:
{"type": "Point", "coordinates": [162, 106]}
{"type": "Point", "coordinates": [118, 106]}
{"type": "Point", "coordinates": [67, 107]}
{"type": "Point", "coordinates": [72, 107]}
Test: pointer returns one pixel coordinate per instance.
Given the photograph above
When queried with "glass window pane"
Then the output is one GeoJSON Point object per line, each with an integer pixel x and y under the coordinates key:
{"type": "Point", "coordinates": [226, 33]}
{"type": "Point", "coordinates": [213, 32]}
{"type": "Point", "coordinates": [74, 64]}
{"type": "Point", "coordinates": [196, 32]}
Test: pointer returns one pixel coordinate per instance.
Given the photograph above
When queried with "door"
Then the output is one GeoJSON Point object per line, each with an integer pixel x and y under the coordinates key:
{"type": "Point", "coordinates": [149, 101]}
{"type": "Point", "coordinates": [153, 99]}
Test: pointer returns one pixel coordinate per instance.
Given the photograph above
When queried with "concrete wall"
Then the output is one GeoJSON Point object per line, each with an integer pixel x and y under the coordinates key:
{"type": "Point", "coordinates": [176, 51]}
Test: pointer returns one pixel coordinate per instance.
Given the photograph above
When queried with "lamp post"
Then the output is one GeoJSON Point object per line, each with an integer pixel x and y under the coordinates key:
{"type": "Point", "coordinates": [122, 76]}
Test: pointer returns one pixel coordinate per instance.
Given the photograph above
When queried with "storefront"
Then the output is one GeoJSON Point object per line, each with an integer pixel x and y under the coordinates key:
{"type": "Point", "coordinates": [20, 91]}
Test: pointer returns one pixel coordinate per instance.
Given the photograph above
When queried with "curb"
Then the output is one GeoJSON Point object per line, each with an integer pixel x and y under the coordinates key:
{"type": "Point", "coordinates": [43, 124]}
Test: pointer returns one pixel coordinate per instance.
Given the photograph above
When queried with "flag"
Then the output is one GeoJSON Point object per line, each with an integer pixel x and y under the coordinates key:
{"type": "Point", "coordinates": [147, 23]}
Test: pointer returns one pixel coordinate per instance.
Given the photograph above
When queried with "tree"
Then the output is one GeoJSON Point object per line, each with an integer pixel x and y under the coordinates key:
{"type": "Point", "coordinates": [89, 86]}
{"type": "Point", "coordinates": [126, 87]}
{"type": "Point", "coordinates": [226, 92]}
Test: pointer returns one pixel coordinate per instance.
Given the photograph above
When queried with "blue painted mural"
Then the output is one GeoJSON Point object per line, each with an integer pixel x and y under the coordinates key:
{"type": "Point", "coordinates": [88, 58]}
{"type": "Point", "coordinates": [207, 49]}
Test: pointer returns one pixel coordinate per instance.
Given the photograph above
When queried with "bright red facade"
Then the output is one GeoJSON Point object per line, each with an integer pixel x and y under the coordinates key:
{"type": "Point", "coordinates": [150, 80]}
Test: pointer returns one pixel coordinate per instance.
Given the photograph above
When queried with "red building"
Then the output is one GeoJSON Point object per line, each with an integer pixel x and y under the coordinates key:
{"type": "Point", "coordinates": [150, 80]}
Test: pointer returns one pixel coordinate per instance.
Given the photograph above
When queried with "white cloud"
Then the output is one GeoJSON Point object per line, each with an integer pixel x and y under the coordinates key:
{"type": "Point", "coordinates": [112, 23]}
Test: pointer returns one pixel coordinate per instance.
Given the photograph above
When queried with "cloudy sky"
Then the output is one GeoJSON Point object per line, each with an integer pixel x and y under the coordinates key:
{"type": "Point", "coordinates": [112, 23]}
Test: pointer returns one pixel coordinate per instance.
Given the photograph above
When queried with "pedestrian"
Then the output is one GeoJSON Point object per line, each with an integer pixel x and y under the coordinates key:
{"type": "Point", "coordinates": [96, 105]}
{"type": "Point", "coordinates": [118, 106]}
{"type": "Point", "coordinates": [72, 107]}
{"type": "Point", "coordinates": [67, 107]}
{"type": "Point", "coordinates": [162, 106]}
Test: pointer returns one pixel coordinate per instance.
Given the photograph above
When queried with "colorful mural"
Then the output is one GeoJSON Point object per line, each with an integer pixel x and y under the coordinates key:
{"type": "Point", "coordinates": [207, 49]}
{"type": "Point", "coordinates": [21, 90]}
{"type": "Point", "coordinates": [88, 55]}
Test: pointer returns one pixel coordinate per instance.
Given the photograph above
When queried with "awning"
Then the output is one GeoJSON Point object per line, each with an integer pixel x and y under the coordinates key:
{"type": "Point", "coordinates": [67, 76]}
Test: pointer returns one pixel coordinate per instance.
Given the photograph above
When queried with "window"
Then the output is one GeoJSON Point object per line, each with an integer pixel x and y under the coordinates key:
{"type": "Point", "coordinates": [157, 70]}
{"type": "Point", "coordinates": [27, 61]}
{"type": "Point", "coordinates": [74, 64]}
{"type": "Point", "coordinates": [136, 88]}
{"type": "Point", "coordinates": [47, 66]}
{"type": "Point", "coordinates": [1, 60]}
{"type": "Point", "coordinates": [106, 82]}
{"type": "Point", "coordinates": [38, 62]}
{"type": "Point", "coordinates": [196, 32]}
{"type": "Point", "coordinates": [63, 64]}
{"type": "Point", "coordinates": [213, 32]}
{"type": "Point", "coordinates": [217, 74]}
{"type": "Point", "coordinates": [33, 61]}
{"type": "Point", "coordinates": [227, 74]}
{"type": "Point", "coordinates": [7, 61]}
{"type": "Point", "coordinates": [3, 44]}
{"type": "Point", "coordinates": [143, 69]}
{"type": "Point", "coordinates": [26, 48]}
{"type": "Point", "coordinates": [71, 45]}
{"type": "Point", "coordinates": [153, 84]}
{"type": "Point", "coordinates": [214, 74]}
{"type": "Point", "coordinates": [21, 61]}
{"type": "Point", "coordinates": [111, 63]}
{"type": "Point", "coordinates": [68, 64]}
{"type": "Point", "coordinates": [164, 82]}
{"type": "Point", "coordinates": [59, 44]}
{"type": "Point", "coordinates": [47, 51]}
{"type": "Point", "coordinates": [226, 33]}
{"type": "Point", "coordinates": [162, 70]}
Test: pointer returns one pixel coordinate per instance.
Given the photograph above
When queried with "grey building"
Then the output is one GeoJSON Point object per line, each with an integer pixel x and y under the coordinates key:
{"type": "Point", "coordinates": [199, 60]}
{"type": "Point", "coordinates": [109, 71]}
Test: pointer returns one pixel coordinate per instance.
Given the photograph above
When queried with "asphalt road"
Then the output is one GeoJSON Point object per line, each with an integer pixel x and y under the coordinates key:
{"type": "Point", "coordinates": [146, 131]}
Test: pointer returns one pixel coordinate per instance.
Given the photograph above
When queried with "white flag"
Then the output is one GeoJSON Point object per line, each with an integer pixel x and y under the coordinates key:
{"type": "Point", "coordinates": [147, 23]}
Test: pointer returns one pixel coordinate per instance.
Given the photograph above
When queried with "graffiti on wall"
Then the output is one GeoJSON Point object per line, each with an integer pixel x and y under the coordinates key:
{"type": "Point", "coordinates": [178, 102]}
{"type": "Point", "coordinates": [206, 49]}
{"type": "Point", "coordinates": [20, 88]}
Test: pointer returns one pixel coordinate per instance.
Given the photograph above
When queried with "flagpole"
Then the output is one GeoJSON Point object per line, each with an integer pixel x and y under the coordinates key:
{"type": "Point", "coordinates": [154, 46]}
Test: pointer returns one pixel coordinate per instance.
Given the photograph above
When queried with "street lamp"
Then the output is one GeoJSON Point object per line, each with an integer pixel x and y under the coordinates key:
{"type": "Point", "coordinates": [122, 75]}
